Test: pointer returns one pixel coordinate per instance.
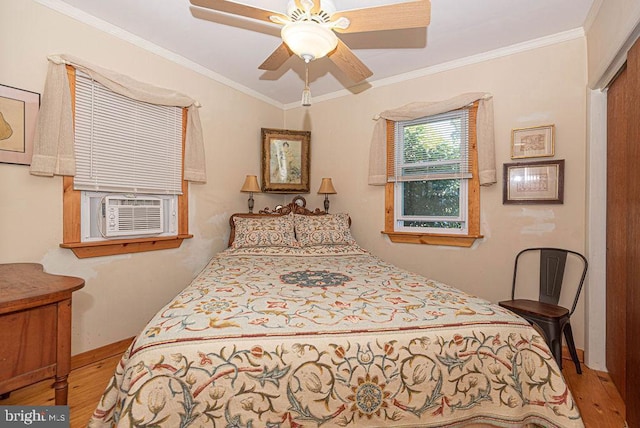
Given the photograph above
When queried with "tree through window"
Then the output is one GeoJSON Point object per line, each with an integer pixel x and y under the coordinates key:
{"type": "Point", "coordinates": [433, 186]}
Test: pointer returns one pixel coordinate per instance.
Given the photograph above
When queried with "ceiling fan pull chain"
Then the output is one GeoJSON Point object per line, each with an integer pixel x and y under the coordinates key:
{"type": "Point", "coordinates": [306, 92]}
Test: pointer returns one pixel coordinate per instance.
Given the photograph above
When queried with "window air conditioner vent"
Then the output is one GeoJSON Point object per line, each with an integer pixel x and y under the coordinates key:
{"type": "Point", "coordinates": [125, 216]}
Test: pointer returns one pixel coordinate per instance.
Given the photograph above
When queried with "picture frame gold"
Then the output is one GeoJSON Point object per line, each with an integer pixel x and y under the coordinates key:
{"type": "Point", "coordinates": [18, 115]}
{"type": "Point", "coordinates": [533, 182]}
{"type": "Point", "coordinates": [535, 142]}
{"type": "Point", "coordinates": [285, 160]}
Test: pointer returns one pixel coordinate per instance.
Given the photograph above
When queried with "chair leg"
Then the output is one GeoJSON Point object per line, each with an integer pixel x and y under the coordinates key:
{"type": "Point", "coordinates": [553, 336]}
{"type": "Point", "coordinates": [568, 335]}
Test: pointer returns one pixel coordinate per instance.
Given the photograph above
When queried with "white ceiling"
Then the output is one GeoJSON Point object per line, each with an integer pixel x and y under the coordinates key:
{"type": "Point", "coordinates": [231, 48]}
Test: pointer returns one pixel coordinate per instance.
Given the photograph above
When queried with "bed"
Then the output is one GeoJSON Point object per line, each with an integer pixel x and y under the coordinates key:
{"type": "Point", "coordinates": [295, 325]}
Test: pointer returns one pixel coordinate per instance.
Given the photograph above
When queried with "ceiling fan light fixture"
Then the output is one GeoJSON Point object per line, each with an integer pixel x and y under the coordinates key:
{"type": "Point", "coordinates": [309, 40]}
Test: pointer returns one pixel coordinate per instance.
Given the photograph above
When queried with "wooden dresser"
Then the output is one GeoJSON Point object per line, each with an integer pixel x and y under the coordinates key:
{"type": "Point", "coordinates": [35, 327]}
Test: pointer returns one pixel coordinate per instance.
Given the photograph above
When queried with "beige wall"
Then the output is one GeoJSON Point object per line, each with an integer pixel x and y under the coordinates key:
{"type": "Point", "coordinates": [541, 86]}
{"type": "Point", "coordinates": [609, 30]}
{"type": "Point", "coordinates": [121, 292]}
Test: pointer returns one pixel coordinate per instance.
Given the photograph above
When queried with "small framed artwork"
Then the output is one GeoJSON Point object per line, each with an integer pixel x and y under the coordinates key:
{"type": "Point", "coordinates": [533, 182]}
{"type": "Point", "coordinates": [285, 161]}
{"type": "Point", "coordinates": [532, 142]}
{"type": "Point", "coordinates": [18, 114]}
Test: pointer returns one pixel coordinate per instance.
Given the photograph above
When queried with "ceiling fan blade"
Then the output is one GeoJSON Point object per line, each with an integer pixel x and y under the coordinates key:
{"type": "Point", "coordinates": [412, 14]}
{"type": "Point", "coordinates": [349, 63]}
{"type": "Point", "coordinates": [277, 58]}
{"type": "Point", "coordinates": [238, 9]}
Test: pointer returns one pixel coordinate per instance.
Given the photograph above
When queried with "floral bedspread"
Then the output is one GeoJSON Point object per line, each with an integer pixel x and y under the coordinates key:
{"type": "Point", "coordinates": [333, 337]}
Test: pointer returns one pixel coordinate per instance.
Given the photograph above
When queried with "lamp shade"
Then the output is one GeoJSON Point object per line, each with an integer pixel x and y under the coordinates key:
{"type": "Point", "coordinates": [309, 40]}
{"type": "Point", "coordinates": [250, 184]}
{"type": "Point", "coordinates": [326, 187]}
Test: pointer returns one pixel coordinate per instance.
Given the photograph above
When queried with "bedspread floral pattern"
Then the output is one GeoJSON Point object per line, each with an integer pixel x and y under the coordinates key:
{"type": "Point", "coordinates": [290, 341]}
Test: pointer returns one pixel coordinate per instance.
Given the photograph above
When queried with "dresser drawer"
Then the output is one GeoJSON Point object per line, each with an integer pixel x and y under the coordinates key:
{"type": "Point", "coordinates": [28, 341]}
{"type": "Point", "coordinates": [35, 327]}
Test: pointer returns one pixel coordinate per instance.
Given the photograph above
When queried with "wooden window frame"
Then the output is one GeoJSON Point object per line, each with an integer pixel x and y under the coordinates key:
{"type": "Point", "coordinates": [71, 212]}
{"type": "Point", "coordinates": [473, 197]}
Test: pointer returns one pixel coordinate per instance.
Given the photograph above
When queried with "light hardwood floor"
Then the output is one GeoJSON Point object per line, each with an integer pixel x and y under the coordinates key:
{"type": "Point", "coordinates": [599, 402]}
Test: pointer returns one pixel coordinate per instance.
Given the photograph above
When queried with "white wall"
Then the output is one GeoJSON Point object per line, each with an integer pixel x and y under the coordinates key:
{"type": "Point", "coordinates": [537, 87]}
{"type": "Point", "coordinates": [121, 292]}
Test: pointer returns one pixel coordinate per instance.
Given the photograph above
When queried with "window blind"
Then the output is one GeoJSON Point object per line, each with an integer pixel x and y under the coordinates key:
{"type": "Point", "coordinates": [433, 148]}
{"type": "Point", "coordinates": [124, 145]}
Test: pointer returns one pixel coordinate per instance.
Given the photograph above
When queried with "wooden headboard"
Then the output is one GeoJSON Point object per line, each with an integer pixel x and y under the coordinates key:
{"type": "Point", "coordinates": [296, 206]}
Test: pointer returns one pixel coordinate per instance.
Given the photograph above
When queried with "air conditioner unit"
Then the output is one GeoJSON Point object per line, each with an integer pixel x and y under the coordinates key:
{"type": "Point", "coordinates": [126, 216]}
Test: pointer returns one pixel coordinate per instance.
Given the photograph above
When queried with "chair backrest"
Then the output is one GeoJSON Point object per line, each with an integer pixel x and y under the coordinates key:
{"type": "Point", "coordinates": [552, 272]}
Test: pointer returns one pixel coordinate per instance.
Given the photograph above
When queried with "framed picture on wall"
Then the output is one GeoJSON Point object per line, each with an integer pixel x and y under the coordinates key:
{"type": "Point", "coordinates": [18, 114]}
{"type": "Point", "coordinates": [285, 161]}
{"type": "Point", "coordinates": [534, 142]}
{"type": "Point", "coordinates": [533, 182]}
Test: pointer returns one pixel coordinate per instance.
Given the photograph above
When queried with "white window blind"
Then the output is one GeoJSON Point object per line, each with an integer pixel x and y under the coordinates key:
{"type": "Point", "coordinates": [433, 148]}
{"type": "Point", "coordinates": [124, 145]}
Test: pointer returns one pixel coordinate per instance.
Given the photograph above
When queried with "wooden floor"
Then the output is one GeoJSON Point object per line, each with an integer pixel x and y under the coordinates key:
{"type": "Point", "coordinates": [597, 397]}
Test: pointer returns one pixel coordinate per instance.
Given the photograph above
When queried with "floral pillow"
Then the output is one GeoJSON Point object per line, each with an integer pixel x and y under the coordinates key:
{"type": "Point", "coordinates": [264, 232]}
{"type": "Point", "coordinates": [328, 229]}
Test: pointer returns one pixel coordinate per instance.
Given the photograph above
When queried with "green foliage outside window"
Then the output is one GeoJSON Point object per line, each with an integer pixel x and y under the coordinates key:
{"type": "Point", "coordinates": [427, 148]}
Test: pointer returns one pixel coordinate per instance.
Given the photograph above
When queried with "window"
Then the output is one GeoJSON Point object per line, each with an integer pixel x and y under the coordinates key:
{"type": "Point", "coordinates": [433, 187]}
{"type": "Point", "coordinates": [125, 145]}
{"type": "Point", "coordinates": [128, 194]}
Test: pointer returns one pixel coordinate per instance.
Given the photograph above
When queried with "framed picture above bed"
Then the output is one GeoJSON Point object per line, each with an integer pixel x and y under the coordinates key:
{"type": "Point", "coordinates": [285, 161]}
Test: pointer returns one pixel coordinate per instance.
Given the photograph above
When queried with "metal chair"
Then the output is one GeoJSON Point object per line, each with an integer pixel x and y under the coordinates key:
{"type": "Point", "coordinates": [545, 312]}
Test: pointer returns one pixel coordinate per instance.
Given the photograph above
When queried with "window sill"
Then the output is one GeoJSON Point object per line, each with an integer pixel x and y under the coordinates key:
{"type": "Point", "coordinates": [84, 250]}
{"type": "Point", "coordinates": [430, 239]}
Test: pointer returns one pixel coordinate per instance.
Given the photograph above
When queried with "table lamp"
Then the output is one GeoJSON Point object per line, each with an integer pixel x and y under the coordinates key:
{"type": "Point", "coordinates": [250, 185]}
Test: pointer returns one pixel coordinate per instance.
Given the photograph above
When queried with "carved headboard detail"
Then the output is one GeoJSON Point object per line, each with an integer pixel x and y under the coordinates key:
{"type": "Point", "coordinates": [298, 206]}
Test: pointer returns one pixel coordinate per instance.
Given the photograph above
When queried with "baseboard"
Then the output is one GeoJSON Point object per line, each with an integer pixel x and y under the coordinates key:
{"type": "Point", "coordinates": [567, 356]}
{"type": "Point", "coordinates": [90, 357]}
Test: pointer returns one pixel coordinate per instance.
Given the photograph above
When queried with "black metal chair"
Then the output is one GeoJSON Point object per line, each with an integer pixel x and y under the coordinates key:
{"type": "Point", "coordinates": [545, 312]}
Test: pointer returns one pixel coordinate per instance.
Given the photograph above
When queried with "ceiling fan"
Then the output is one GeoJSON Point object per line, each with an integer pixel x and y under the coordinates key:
{"type": "Point", "coordinates": [309, 28]}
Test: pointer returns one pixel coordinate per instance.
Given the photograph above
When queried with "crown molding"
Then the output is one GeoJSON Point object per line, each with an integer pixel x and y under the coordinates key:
{"type": "Point", "coordinates": [79, 15]}
{"type": "Point", "coordinates": [462, 62]}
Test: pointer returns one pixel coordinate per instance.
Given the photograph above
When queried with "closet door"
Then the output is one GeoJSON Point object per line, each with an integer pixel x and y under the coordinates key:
{"type": "Point", "coordinates": [623, 234]}
{"type": "Point", "coordinates": [632, 394]}
{"type": "Point", "coordinates": [617, 207]}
